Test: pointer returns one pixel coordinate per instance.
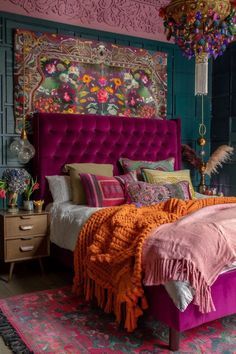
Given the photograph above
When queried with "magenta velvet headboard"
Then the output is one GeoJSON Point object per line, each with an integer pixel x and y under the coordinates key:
{"type": "Point", "coordinates": [68, 138]}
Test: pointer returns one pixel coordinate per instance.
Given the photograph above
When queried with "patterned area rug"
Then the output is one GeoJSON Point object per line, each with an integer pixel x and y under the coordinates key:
{"type": "Point", "coordinates": [56, 321]}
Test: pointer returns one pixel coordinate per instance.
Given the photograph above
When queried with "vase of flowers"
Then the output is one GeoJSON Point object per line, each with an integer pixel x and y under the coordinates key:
{"type": "Point", "coordinates": [13, 183]}
{"type": "Point", "coordinates": [31, 186]}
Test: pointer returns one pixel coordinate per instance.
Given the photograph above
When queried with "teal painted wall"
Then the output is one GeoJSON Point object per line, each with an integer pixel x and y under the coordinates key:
{"type": "Point", "coordinates": [181, 100]}
{"type": "Point", "coordinates": [223, 128]}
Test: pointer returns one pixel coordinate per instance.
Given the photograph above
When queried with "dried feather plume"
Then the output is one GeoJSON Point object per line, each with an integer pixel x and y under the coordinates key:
{"type": "Point", "coordinates": [189, 155]}
{"type": "Point", "coordinates": [222, 154]}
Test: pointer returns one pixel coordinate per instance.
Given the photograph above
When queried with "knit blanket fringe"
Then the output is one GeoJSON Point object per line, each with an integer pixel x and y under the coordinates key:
{"type": "Point", "coordinates": [108, 256]}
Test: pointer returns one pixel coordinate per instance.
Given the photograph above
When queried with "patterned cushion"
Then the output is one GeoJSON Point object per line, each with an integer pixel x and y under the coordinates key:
{"type": "Point", "coordinates": [130, 165]}
{"type": "Point", "coordinates": [160, 177]}
{"type": "Point", "coordinates": [102, 191]}
{"type": "Point", "coordinates": [143, 193]}
{"type": "Point", "coordinates": [128, 177]}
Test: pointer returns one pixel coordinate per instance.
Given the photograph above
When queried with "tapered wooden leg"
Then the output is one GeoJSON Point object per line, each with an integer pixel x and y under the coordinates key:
{"type": "Point", "coordinates": [11, 271]}
{"type": "Point", "coordinates": [41, 266]}
{"type": "Point", "coordinates": [174, 339]}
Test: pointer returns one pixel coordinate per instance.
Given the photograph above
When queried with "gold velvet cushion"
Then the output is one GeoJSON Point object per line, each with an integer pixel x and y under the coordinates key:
{"type": "Point", "coordinates": [160, 177]}
{"type": "Point", "coordinates": [78, 193]}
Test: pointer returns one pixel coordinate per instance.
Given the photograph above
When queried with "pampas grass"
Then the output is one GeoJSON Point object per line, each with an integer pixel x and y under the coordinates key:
{"type": "Point", "coordinates": [222, 154]}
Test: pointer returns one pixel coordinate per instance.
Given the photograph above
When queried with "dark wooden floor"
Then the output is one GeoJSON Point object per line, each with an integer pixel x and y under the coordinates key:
{"type": "Point", "coordinates": [27, 277]}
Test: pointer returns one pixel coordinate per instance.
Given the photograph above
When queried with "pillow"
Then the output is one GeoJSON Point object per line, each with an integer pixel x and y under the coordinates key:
{"type": "Point", "coordinates": [128, 177]}
{"type": "Point", "coordinates": [78, 193]}
{"type": "Point", "coordinates": [160, 177]}
{"type": "Point", "coordinates": [60, 188]}
{"type": "Point", "coordinates": [130, 165]}
{"type": "Point", "coordinates": [102, 191]}
{"type": "Point", "coordinates": [147, 194]}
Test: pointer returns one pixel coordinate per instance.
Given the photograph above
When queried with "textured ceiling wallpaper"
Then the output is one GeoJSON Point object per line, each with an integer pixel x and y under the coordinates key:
{"type": "Point", "coordinates": [131, 17]}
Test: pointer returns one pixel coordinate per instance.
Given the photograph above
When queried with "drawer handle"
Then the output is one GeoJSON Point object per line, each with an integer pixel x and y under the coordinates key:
{"type": "Point", "coordinates": [26, 227]}
{"type": "Point", "coordinates": [26, 248]}
{"type": "Point", "coordinates": [25, 217]}
{"type": "Point", "coordinates": [26, 238]}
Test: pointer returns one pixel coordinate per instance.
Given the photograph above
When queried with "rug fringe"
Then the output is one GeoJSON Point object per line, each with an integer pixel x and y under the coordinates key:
{"type": "Point", "coordinates": [11, 337]}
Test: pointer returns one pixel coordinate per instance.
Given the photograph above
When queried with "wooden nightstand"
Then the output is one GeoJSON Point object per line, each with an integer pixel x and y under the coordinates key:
{"type": "Point", "coordinates": [23, 235]}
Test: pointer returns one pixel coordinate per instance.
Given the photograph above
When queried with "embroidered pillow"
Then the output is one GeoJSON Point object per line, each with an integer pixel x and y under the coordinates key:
{"type": "Point", "coordinates": [128, 177]}
{"type": "Point", "coordinates": [60, 188]}
{"type": "Point", "coordinates": [160, 177]}
{"type": "Point", "coordinates": [130, 165]}
{"type": "Point", "coordinates": [78, 193]}
{"type": "Point", "coordinates": [102, 191]}
{"type": "Point", "coordinates": [144, 193]}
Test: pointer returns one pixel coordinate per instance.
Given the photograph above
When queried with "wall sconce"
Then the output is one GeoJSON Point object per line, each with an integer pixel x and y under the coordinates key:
{"type": "Point", "coordinates": [21, 145]}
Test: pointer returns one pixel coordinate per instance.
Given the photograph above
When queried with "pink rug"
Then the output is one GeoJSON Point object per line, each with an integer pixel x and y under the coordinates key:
{"type": "Point", "coordinates": [56, 321]}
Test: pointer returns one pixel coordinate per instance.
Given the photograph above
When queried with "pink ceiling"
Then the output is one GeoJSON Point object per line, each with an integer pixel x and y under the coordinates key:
{"type": "Point", "coordinates": [137, 18]}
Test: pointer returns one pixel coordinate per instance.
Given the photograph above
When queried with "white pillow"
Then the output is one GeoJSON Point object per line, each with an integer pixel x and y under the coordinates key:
{"type": "Point", "coordinates": [60, 188]}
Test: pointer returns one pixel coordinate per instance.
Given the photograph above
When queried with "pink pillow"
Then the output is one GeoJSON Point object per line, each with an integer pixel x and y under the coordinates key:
{"type": "Point", "coordinates": [143, 193]}
{"type": "Point", "coordinates": [102, 191]}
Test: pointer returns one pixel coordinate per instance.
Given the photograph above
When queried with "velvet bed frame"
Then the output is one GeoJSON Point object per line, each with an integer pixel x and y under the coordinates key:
{"type": "Point", "coordinates": [64, 138]}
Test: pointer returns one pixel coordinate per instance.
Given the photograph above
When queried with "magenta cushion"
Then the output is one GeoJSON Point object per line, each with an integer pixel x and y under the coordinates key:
{"type": "Point", "coordinates": [102, 191]}
{"type": "Point", "coordinates": [144, 193]}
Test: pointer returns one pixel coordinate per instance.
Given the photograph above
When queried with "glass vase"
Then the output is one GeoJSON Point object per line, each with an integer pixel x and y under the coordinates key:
{"type": "Point", "coordinates": [28, 205]}
{"type": "Point", "coordinates": [12, 202]}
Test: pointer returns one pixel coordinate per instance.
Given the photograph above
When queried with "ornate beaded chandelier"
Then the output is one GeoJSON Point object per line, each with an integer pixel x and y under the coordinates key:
{"type": "Point", "coordinates": [202, 29]}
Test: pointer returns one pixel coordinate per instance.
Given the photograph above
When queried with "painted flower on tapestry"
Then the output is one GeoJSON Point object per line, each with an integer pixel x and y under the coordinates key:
{"type": "Point", "coordinates": [86, 79]}
{"type": "Point", "coordinates": [50, 68]}
{"type": "Point", "coordinates": [102, 81]}
{"type": "Point", "coordinates": [102, 96]}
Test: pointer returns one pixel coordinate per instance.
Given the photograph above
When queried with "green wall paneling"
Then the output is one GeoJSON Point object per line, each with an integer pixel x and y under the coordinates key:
{"type": "Point", "coordinates": [180, 102]}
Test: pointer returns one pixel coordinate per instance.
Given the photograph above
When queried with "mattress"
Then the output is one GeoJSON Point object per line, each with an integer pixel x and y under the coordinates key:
{"type": "Point", "coordinates": [66, 221]}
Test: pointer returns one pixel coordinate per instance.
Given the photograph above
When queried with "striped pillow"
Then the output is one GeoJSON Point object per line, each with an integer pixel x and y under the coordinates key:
{"type": "Point", "coordinates": [102, 191]}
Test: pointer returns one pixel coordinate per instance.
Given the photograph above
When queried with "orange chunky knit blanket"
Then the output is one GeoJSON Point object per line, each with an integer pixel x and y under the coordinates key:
{"type": "Point", "coordinates": [107, 258]}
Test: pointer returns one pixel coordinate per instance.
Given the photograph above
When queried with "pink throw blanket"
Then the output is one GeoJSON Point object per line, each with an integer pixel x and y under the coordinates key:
{"type": "Point", "coordinates": [196, 248]}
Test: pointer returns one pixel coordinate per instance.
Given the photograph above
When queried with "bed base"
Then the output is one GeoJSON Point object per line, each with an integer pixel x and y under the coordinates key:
{"type": "Point", "coordinates": [163, 309]}
{"type": "Point", "coordinates": [174, 339]}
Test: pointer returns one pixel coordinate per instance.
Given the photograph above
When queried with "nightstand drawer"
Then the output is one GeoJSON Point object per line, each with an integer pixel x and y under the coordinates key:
{"type": "Point", "coordinates": [25, 225]}
{"type": "Point", "coordinates": [26, 248]}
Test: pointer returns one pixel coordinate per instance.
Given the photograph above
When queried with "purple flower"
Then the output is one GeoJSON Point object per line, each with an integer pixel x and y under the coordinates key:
{"type": "Point", "coordinates": [15, 179]}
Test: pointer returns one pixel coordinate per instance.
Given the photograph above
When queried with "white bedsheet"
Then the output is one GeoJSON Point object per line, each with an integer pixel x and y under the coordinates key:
{"type": "Point", "coordinates": [66, 221]}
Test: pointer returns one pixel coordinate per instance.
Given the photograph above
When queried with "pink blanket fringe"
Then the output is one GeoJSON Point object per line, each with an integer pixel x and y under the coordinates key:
{"type": "Point", "coordinates": [162, 270]}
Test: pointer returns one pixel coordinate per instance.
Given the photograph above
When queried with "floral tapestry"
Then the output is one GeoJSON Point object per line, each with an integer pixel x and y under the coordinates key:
{"type": "Point", "coordinates": [55, 73]}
